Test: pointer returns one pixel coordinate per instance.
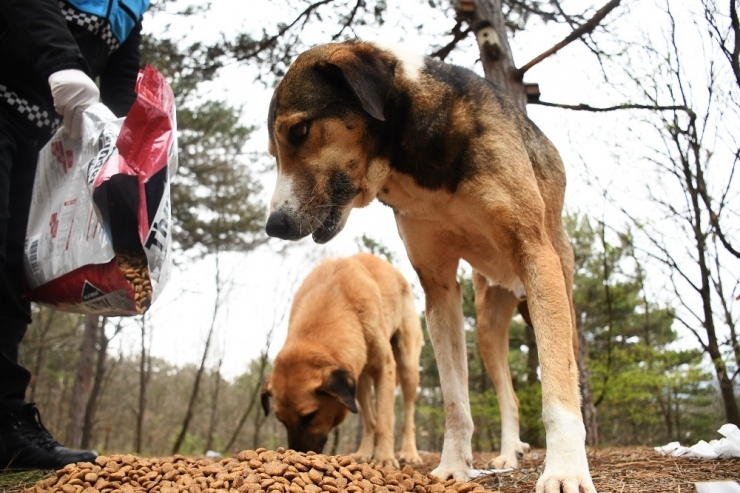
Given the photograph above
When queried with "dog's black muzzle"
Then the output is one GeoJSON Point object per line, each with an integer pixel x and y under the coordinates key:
{"type": "Point", "coordinates": [281, 225]}
{"type": "Point", "coordinates": [302, 442]}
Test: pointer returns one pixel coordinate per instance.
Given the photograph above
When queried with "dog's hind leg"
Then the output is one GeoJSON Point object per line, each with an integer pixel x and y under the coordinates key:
{"type": "Point", "coordinates": [367, 410]}
{"type": "Point", "coordinates": [494, 307]}
{"type": "Point", "coordinates": [406, 350]}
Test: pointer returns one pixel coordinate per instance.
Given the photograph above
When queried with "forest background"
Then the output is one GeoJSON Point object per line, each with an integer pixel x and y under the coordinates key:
{"type": "Point", "coordinates": [642, 102]}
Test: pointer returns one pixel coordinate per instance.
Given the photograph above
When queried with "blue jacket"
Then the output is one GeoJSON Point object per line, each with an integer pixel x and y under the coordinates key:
{"type": "Point", "coordinates": [40, 37]}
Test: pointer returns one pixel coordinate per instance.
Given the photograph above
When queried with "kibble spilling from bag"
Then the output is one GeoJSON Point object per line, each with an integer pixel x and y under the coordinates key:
{"type": "Point", "coordinates": [252, 471]}
{"type": "Point", "coordinates": [134, 267]}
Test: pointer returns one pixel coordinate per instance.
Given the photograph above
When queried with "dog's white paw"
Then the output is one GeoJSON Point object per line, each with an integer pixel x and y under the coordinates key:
{"type": "Point", "coordinates": [564, 483]}
{"type": "Point", "coordinates": [412, 458]}
{"type": "Point", "coordinates": [510, 459]}
{"type": "Point", "coordinates": [459, 471]}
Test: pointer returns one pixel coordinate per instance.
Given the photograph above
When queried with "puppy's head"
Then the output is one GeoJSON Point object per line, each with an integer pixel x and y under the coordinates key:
{"type": "Point", "coordinates": [322, 124]}
{"type": "Point", "coordinates": [310, 396]}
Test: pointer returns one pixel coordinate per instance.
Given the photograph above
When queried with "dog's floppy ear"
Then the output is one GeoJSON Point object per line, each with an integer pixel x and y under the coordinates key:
{"type": "Point", "coordinates": [266, 395]}
{"type": "Point", "coordinates": [368, 73]}
{"type": "Point", "coordinates": [341, 384]}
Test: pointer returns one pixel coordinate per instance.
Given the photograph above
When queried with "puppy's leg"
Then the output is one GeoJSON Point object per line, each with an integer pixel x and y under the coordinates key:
{"type": "Point", "coordinates": [494, 307]}
{"type": "Point", "coordinates": [367, 409]}
{"type": "Point", "coordinates": [385, 389]}
{"type": "Point", "coordinates": [406, 352]}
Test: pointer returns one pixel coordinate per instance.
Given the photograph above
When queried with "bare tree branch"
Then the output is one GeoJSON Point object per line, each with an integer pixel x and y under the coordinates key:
{"type": "Point", "coordinates": [267, 42]}
{"type": "Point", "coordinates": [624, 106]}
{"type": "Point", "coordinates": [732, 54]}
{"type": "Point", "coordinates": [589, 26]}
{"type": "Point", "coordinates": [458, 34]}
{"type": "Point", "coordinates": [735, 59]}
{"type": "Point", "coordinates": [348, 22]}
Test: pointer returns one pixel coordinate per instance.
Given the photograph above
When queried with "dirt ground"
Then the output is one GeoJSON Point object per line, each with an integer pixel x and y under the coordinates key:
{"type": "Point", "coordinates": [613, 470]}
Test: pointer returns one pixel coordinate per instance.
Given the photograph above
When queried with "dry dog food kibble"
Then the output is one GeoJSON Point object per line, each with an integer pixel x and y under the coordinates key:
{"type": "Point", "coordinates": [252, 471]}
{"type": "Point", "coordinates": [134, 269]}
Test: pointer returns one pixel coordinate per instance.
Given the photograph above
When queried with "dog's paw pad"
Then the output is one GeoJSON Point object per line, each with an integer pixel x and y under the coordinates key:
{"type": "Point", "coordinates": [412, 459]}
{"type": "Point", "coordinates": [388, 461]}
{"type": "Point", "coordinates": [361, 457]}
{"type": "Point", "coordinates": [448, 473]}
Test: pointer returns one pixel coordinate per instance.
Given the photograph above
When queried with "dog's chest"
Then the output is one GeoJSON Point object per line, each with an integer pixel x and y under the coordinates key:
{"type": "Point", "coordinates": [401, 193]}
{"type": "Point", "coordinates": [455, 219]}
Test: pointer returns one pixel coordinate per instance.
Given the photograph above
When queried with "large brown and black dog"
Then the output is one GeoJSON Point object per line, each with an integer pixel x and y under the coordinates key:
{"type": "Point", "coordinates": [353, 328]}
{"type": "Point", "coordinates": [468, 177]}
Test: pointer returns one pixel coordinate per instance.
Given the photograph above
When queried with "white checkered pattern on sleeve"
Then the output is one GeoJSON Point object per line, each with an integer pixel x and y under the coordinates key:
{"type": "Point", "coordinates": [96, 25]}
{"type": "Point", "coordinates": [38, 117]}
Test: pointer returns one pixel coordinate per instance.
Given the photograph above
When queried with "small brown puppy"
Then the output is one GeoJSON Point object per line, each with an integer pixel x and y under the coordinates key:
{"type": "Point", "coordinates": [353, 327]}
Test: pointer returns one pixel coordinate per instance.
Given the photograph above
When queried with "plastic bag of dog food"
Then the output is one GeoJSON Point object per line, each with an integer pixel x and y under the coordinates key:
{"type": "Point", "coordinates": [98, 238]}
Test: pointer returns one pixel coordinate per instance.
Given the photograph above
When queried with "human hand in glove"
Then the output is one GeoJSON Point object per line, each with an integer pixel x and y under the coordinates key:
{"type": "Point", "coordinates": [73, 91]}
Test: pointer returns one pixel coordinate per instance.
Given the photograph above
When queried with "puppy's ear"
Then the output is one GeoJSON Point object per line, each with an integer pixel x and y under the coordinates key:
{"type": "Point", "coordinates": [266, 395]}
{"type": "Point", "coordinates": [367, 70]}
{"type": "Point", "coordinates": [341, 384]}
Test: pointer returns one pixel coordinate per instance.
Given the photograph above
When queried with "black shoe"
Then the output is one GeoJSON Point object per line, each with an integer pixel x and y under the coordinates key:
{"type": "Point", "coordinates": [26, 444]}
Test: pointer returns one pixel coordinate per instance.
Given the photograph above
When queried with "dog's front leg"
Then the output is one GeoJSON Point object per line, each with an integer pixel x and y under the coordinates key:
{"type": "Point", "coordinates": [436, 266]}
{"type": "Point", "coordinates": [445, 323]}
{"type": "Point", "coordinates": [566, 465]}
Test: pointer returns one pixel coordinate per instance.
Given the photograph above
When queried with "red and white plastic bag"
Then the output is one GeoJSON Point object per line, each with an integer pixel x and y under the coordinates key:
{"type": "Point", "coordinates": [98, 238]}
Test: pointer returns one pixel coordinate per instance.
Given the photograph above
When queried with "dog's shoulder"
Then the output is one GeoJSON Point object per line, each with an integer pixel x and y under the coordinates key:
{"type": "Point", "coordinates": [448, 124]}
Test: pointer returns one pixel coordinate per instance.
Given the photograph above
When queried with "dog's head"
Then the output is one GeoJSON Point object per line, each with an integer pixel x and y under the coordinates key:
{"type": "Point", "coordinates": [323, 123]}
{"type": "Point", "coordinates": [310, 396]}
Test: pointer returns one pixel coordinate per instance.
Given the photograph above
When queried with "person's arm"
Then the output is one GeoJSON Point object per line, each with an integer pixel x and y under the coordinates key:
{"type": "Point", "coordinates": [118, 80]}
{"type": "Point", "coordinates": [42, 23]}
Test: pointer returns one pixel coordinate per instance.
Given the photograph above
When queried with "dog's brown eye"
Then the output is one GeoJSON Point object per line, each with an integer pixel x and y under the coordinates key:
{"type": "Point", "coordinates": [298, 132]}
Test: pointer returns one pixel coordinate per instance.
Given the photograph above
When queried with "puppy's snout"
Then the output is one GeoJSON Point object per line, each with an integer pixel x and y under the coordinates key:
{"type": "Point", "coordinates": [302, 442]}
{"type": "Point", "coordinates": [281, 225]}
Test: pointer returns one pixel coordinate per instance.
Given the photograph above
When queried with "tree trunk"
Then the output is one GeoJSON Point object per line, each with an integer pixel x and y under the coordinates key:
{"type": "Point", "coordinates": [214, 406]}
{"type": "Point", "coordinates": [489, 26]}
{"type": "Point", "coordinates": [588, 410]}
{"type": "Point", "coordinates": [97, 388]}
{"type": "Point", "coordinates": [705, 291]}
{"type": "Point", "coordinates": [335, 445]}
{"type": "Point", "coordinates": [252, 399]}
{"type": "Point", "coordinates": [726, 387]}
{"type": "Point", "coordinates": [144, 375]}
{"type": "Point", "coordinates": [201, 369]}
{"type": "Point", "coordinates": [40, 349]}
{"type": "Point", "coordinates": [81, 387]}
{"type": "Point", "coordinates": [533, 360]}
{"type": "Point", "coordinates": [259, 418]}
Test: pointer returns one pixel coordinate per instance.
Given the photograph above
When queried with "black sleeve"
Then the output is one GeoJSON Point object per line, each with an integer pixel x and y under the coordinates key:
{"type": "Point", "coordinates": [118, 80]}
{"type": "Point", "coordinates": [42, 24]}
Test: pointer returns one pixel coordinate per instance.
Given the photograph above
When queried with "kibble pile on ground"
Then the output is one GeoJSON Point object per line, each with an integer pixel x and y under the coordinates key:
{"type": "Point", "coordinates": [252, 471]}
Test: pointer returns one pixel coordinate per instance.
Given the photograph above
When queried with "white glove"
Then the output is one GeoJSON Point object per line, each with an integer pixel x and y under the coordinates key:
{"type": "Point", "coordinates": [73, 91]}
